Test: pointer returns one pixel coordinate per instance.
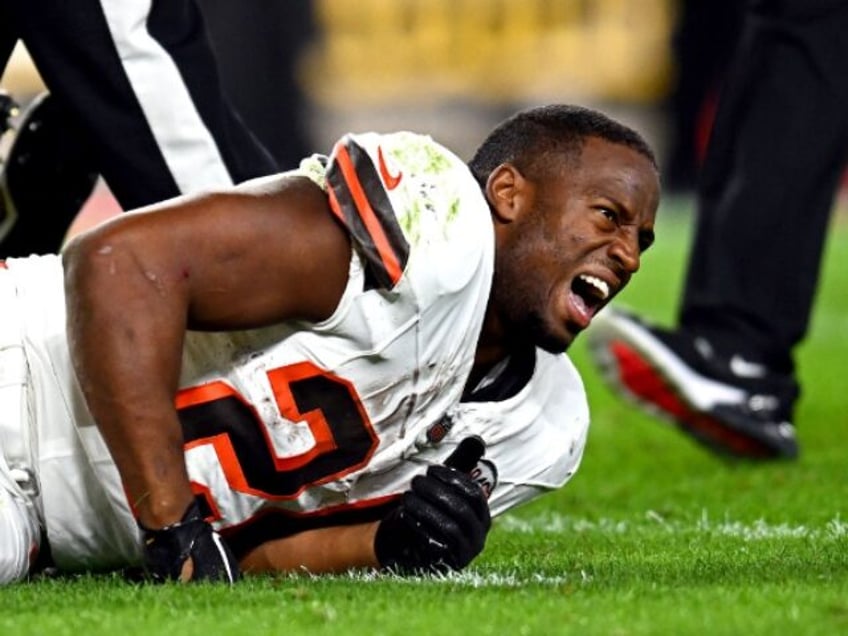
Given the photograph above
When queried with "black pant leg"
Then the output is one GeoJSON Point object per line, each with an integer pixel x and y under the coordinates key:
{"type": "Point", "coordinates": [703, 43]}
{"type": "Point", "coordinates": [145, 89]}
{"type": "Point", "coordinates": [8, 37]}
{"type": "Point", "coordinates": [258, 44]}
{"type": "Point", "coordinates": [768, 184]}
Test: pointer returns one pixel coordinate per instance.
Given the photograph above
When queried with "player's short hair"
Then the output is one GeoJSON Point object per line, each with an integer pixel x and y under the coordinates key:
{"type": "Point", "coordinates": [531, 138]}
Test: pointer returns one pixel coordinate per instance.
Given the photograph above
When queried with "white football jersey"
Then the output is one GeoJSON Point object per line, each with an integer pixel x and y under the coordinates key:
{"type": "Point", "coordinates": [302, 425]}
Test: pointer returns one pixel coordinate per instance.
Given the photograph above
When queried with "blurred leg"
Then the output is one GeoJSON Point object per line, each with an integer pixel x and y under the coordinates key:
{"type": "Point", "coordinates": [770, 177]}
{"type": "Point", "coordinates": [8, 37]}
{"type": "Point", "coordinates": [258, 45]}
{"type": "Point", "coordinates": [140, 78]}
{"type": "Point", "coordinates": [705, 38]}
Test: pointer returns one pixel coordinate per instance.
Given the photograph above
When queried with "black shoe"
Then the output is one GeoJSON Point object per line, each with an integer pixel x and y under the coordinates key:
{"type": "Point", "coordinates": [732, 406]}
{"type": "Point", "coordinates": [45, 178]}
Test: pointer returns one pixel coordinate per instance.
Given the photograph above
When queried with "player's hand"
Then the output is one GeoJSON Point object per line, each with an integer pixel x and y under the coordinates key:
{"type": "Point", "coordinates": [189, 550]}
{"type": "Point", "coordinates": [442, 520]}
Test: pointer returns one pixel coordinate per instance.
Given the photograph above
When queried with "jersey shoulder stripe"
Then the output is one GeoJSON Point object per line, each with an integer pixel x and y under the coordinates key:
{"type": "Point", "coordinates": [358, 198]}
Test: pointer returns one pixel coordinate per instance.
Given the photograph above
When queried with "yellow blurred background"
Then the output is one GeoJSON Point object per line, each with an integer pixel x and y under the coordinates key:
{"type": "Point", "coordinates": [454, 67]}
{"type": "Point", "coordinates": [375, 51]}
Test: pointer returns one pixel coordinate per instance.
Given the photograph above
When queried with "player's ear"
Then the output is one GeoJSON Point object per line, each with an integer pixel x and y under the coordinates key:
{"type": "Point", "coordinates": [505, 191]}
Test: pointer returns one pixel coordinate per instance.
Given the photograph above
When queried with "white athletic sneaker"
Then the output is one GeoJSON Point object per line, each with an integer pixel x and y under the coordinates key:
{"type": "Point", "coordinates": [730, 405]}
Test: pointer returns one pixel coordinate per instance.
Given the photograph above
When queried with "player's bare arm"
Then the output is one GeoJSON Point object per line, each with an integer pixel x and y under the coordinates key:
{"type": "Point", "coordinates": [439, 524]}
{"type": "Point", "coordinates": [262, 254]}
{"type": "Point", "coordinates": [325, 550]}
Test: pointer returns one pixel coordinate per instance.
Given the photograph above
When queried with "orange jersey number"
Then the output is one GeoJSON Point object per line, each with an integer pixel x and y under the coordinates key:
{"type": "Point", "coordinates": [214, 413]}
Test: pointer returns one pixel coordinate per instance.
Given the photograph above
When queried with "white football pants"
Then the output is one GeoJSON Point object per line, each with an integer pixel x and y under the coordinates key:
{"type": "Point", "coordinates": [20, 533]}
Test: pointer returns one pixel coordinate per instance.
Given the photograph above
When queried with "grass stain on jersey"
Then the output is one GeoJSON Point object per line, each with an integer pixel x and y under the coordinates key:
{"type": "Point", "coordinates": [421, 154]}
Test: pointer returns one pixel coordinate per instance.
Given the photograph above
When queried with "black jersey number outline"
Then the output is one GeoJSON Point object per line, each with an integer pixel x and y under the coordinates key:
{"type": "Point", "coordinates": [215, 413]}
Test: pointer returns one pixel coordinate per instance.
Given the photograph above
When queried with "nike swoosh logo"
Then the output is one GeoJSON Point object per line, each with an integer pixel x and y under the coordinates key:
{"type": "Point", "coordinates": [745, 369]}
{"type": "Point", "coordinates": [391, 181]}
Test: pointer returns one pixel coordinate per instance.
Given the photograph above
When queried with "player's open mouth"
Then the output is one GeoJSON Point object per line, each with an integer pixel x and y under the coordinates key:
{"type": "Point", "coordinates": [588, 294]}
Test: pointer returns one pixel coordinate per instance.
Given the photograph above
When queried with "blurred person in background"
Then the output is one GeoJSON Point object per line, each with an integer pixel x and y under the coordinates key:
{"type": "Point", "coordinates": [726, 374]}
{"type": "Point", "coordinates": [135, 95]}
{"type": "Point", "coordinates": [704, 39]}
{"type": "Point", "coordinates": [258, 45]}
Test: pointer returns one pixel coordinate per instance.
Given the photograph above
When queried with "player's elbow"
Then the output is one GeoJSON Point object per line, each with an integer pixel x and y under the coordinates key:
{"type": "Point", "coordinates": [98, 265]}
{"type": "Point", "coordinates": [79, 259]}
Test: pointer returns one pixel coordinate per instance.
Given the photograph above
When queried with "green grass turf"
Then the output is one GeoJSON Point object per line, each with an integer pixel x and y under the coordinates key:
{"type": "Point", "coordinates": [653, 535]}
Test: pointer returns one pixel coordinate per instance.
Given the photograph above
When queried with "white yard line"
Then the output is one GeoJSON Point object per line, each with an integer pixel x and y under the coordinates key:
{"type": "Point", "coordinates": [465, 578]}
{"type": "Point", "coordinates": [758, 530]}
{"type": "Point", "coordinates": [748, 530]}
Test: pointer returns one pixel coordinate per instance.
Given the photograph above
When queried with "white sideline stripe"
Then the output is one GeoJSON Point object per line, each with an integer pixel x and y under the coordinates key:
{"type": "Point", "coordinates": [700, 392]}
{"type": "Point", "coordinates": [757, 530]}
{"type": "Point", "coordinates": [186, 143]}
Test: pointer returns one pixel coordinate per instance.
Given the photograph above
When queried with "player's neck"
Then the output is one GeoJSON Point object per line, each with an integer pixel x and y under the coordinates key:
{"type": "Point", "coordinates": [491, 344]}
{"type": "Point", "coordinates": [492, 347]}
{"type": "Point", "coordinates": [483, 363]}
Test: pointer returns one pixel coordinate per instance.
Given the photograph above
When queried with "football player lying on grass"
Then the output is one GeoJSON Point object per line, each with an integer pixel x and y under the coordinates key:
{"type": "Point", "coordinates": [278, 377]}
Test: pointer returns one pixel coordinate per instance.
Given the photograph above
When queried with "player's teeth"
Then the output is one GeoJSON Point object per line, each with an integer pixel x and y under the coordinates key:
{"type": "Point", "coordinates": [598, 284]}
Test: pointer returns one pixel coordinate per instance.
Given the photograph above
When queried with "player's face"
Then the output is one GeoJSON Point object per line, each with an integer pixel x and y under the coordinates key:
{"type": "Point", "coordinates": [573, 243]}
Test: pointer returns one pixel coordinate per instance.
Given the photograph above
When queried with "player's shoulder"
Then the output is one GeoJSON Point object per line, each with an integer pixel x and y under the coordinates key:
{"type": "Point", "coordinates": [414, 155]}
{"type": "Point", "coordinates": [556, 380]}
{"type": "Point", "coordinates": [534, 378]}
{"type": "Point", "coordinates": [535, 423]}
{"type": "Point", "coordinates": [404, 193]}
{"type": "Point", "coordinates": [555, 402]}
{"type": "Point", "coordinates": [427, 185]}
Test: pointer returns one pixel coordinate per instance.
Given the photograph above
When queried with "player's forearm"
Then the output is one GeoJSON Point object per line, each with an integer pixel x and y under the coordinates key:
{"type": "Point", "coordinates": [325, 550]}
{"type": "Point", "coordinates": [125, 334]}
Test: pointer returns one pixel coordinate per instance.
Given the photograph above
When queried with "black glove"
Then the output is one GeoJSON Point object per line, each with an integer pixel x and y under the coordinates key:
{"type": "Point", "coordinates": [167, 550]}
{"type": "Point", "coordinates": [441, 522]}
